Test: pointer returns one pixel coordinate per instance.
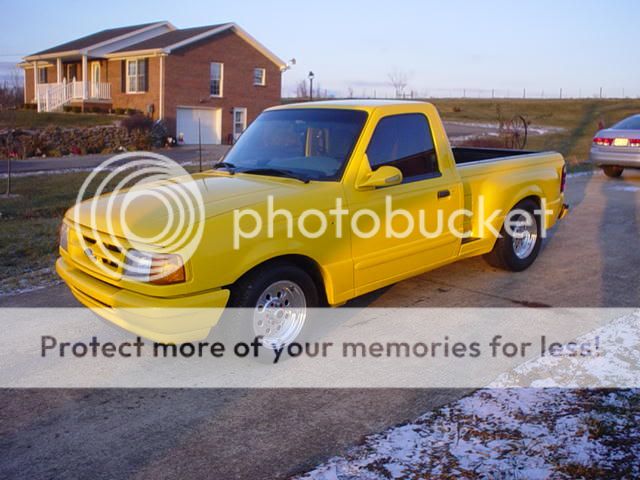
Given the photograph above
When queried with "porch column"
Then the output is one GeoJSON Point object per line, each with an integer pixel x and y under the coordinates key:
{"type": "Point", "coordinates": [85, 76]}
{"type": "Point", "coordinates": [35, 83]}
{"type": "Point", "coordinates": [59, 70]}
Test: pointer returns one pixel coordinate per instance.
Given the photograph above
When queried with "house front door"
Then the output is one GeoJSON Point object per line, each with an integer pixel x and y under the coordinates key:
{"type": "Point", "coordinates": [95, 80]}
{"type": "Point", "coordinates": [239, 122]}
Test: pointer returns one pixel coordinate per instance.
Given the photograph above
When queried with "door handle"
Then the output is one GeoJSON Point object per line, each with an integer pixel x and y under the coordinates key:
{"type": "Point", "coordinates": [444, 193]}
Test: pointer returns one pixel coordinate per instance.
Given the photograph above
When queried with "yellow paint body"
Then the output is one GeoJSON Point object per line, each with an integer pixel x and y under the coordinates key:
{"type": "Point", "coordinates": [349, 266]}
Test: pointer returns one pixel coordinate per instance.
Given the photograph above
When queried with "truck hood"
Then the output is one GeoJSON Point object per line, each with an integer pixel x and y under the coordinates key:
{"type": "Point", "coordinates": [149, 209]}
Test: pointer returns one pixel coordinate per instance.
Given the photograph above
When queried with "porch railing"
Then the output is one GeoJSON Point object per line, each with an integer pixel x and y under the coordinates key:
{"type": "Point", "coordinates": [53, 96]}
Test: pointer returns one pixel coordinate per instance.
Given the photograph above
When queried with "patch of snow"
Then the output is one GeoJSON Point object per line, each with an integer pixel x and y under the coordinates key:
{"type": "Point", "coordinates": [532, 433]}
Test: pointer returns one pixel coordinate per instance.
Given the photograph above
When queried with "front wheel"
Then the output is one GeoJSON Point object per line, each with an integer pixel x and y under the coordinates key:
{"type": "Point", "coordinates": [274, 300]}
{"type": "Point", "coordinates": [612, 171]}
{"type": "Point", "coordinates": [518, 246]}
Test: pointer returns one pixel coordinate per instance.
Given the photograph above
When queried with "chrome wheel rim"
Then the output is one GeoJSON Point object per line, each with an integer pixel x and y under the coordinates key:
{"type": "Point", "coordinates": [525, 236]}
{"type": "Point", "coordinates": [280, 313]}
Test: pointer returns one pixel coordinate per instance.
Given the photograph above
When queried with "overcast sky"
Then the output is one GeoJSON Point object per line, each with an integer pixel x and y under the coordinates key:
{"type": "Point", "coordinates": [443, 46]}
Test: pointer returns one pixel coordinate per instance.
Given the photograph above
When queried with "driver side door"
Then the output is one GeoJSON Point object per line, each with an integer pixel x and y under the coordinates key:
{"type": "Point", "coordinates": [397, 250]}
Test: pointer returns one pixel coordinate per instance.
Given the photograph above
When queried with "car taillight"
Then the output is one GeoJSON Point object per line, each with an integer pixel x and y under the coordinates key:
{"type": "Point", "coordinates": [634, 142]}
{"type": "Point", "coordinates": [606, 142]}
{"type": "Point", "coordinates": [563, 180]}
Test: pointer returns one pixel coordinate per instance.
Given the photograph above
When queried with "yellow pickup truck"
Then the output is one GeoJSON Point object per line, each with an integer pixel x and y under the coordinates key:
{"type": "Point", "coordinates": [335, 187]}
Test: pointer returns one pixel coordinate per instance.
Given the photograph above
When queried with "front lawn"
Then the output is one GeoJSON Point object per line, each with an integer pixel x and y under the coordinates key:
{"type": "Point", "coordinates": [27, 119]}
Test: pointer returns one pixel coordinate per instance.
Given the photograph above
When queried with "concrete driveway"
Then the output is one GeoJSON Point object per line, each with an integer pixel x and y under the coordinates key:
{"type": "Point", "coordinates": [592, 259]}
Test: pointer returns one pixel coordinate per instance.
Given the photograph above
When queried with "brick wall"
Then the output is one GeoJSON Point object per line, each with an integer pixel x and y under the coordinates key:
{"type": "Point", "coordinates": [28, 75]}
{"type": "Point", "coordinates": [138, 101]}
{"type": "Point", "coordinates": [187, 79]}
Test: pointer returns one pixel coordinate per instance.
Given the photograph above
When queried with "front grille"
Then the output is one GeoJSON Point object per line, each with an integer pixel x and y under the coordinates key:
{"type": "Point", "coordinates": [96, 251]}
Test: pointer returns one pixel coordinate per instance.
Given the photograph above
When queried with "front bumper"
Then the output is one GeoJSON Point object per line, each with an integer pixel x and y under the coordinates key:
{"type": "Point", "coordinates": [607, 156]}
{"type": "Point", "coordinates": [168, 320]}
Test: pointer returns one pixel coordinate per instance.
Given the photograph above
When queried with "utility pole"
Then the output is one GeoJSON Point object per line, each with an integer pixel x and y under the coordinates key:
{"type": "Point", "coordinates": [600, 92]}
{"type": "Point", "coordinates": [524, 93]}
{"type": "Point", "coordinates": [560, 93]}
{"type": "Point", "coordinates": [493, 93]}
{"type": "Point", "coordinates": [199, 144]}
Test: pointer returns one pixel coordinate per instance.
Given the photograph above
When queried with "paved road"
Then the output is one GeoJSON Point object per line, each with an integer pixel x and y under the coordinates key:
{"type": "Point", "coordinates": [184, 154]}
{"type": "Point", "coordinates": [592, 259]}
{"type": "Point", "coordinates": [210, 153]}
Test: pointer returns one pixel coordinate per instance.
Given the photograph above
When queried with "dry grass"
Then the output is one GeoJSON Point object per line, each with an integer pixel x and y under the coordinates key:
{"type": "Point", "coordinates": [579, 118]}
{"type": "Point", "coordinates": [27, 119]}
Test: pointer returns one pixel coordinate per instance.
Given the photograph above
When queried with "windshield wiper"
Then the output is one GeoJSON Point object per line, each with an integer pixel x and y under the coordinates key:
{"type": "Point", "coordinates": [276, 172]}
{"type": "Point", "coordinates": [230, 166]}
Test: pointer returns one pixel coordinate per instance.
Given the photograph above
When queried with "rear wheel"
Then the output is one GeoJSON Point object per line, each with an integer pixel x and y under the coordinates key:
{"type": "Point", "coordinates": [274, 300]}
{"type": "Point", "coordinates": [518, 247]}
{"type": "Point", "coordinates": [612, 171]}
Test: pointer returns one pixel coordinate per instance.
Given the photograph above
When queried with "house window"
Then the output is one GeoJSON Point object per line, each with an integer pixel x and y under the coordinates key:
{"type": "Point", "coordinates": [42, 75]}
{"type": "Point", "coordinates": [136, 76]}
{"type": "Point", "coordinates": [215, 83]}
{"type": "Point", "coordinates": [259, 76]}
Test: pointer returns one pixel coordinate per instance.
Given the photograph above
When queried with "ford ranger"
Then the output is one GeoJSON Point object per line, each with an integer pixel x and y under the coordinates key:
{"type": "Point", "coordinates": [357, 163]}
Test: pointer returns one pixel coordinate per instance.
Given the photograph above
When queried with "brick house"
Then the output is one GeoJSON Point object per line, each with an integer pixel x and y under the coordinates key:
{"type": "Point", "coordinates": [206, 81]}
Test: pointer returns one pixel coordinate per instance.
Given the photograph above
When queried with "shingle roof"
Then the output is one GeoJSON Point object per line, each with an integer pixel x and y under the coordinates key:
{"type": "Point", "coordinates": [169, 38]}
{"type": "Point", "coordinates": [93, 39]}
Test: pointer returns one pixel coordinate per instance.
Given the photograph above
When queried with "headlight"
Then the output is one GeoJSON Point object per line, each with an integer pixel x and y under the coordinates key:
{"type": "Point", "coordinates": [156, 268]}
{"type": "Point", "coordinates": [64, 236]}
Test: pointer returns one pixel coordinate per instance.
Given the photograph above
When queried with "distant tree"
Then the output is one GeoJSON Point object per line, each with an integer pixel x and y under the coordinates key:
{"type": "Point", "coordinates": [302, 90]}
{"type": "Point", "coordinates": [11, 91]}
{"type": "Point", "coordinates": [399, 81]}
{"type": "Point", "coordinates": [350, 92]}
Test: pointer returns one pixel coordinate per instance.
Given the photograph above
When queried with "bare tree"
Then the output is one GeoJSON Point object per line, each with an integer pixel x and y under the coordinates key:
{"type": "Point", "coordinates": [302, 90]}
{"type": "Point", "coordinates": [11, 91]}
{"type": "Point", "coordinates": [399, 81]}
{"type": "Point", "coordinates": [350, 92]}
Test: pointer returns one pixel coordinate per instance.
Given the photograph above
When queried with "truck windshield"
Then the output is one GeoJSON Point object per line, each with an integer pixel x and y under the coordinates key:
{"type": "Point", "coordinates": [312, 143]}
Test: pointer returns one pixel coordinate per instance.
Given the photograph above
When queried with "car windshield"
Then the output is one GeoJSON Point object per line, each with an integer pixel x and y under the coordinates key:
{"type": "Point", "coordinates": [631, 123]}
{"type": "Point", "coordinates": [313, 143]}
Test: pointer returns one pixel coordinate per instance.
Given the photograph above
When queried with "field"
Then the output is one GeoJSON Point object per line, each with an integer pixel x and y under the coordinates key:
{"type": "Point", "coordinates": [579, 118]}
{"type": "Point", "coordinates": [31, 119]}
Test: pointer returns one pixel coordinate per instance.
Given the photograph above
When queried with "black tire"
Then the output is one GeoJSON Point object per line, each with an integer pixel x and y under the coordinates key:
{"type": "Point", "coordinates": [612, 171]}
{"type": "Point", "coordinates": [504, 255]}
{"type": "Point", "coordinates": [246, 292]}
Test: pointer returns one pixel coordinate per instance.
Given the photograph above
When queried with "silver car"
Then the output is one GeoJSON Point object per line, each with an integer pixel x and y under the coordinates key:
{"type": "Point", "coordinates": [618, 147]}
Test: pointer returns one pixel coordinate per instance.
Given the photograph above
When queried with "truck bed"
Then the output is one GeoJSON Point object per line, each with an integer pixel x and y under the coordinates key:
{"type": "Point", "coordinates": [464, 155]}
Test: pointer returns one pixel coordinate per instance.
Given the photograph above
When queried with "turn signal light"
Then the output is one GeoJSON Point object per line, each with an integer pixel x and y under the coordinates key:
{"type": "Point", "coordinates": [634, 142]}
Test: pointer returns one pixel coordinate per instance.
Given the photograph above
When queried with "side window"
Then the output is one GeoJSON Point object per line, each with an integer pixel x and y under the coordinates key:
{"type": "Point", "coordinates": [404, 142]}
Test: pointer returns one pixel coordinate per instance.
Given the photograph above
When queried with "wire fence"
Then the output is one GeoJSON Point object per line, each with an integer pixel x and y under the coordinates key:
{"type": "Point", "coordinates": [482, 93]}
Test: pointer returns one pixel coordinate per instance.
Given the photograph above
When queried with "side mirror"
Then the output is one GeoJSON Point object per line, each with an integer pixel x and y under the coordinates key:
{"type": "Point", "coordinates": [385, 176]}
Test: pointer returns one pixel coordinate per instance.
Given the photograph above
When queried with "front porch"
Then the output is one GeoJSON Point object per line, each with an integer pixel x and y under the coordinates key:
{"type": "Point", "coordinates": [72, 80]}
{"type": "Point", "coordinates": [51, 97]}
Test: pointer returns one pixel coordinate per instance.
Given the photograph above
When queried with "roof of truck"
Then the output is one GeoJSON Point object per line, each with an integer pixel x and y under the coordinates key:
{"type": "Point", "coordinates": [349, 103]}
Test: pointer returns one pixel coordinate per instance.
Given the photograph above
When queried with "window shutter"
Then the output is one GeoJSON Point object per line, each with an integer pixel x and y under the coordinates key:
{"type": "Point", "coordinates": [123, 76]}
{"type": "Point", "coordinates": [146, 74]}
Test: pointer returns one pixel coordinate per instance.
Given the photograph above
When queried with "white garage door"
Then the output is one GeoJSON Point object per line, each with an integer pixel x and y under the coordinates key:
{"type": "Point", "coordinates": [210, 124]}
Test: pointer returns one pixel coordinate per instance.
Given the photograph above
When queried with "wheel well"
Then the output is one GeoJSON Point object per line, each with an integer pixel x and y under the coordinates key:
{"type": "Point", "coordinates": [533, 198]}
{"type": "Point", "coordinates": [304, 263]}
